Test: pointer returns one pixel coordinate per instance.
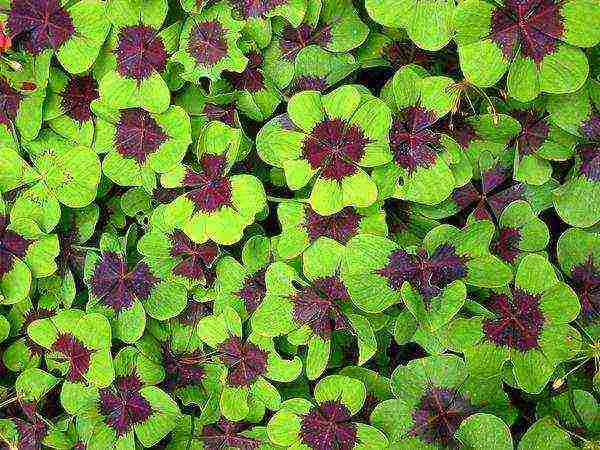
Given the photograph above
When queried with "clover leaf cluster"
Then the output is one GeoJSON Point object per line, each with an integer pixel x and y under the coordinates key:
{"type": "Point", "coordinates": [300, 224]}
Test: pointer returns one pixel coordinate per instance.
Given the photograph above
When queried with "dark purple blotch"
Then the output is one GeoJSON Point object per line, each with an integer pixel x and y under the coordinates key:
{"type": "Point", "coordinates": [30, 316]}
{"type": "Point", "coordinates": [328, 427]}
{"type": "Point", "coordinates": [461, 129]}
{"type": "Point", "coordinates": [10, 100]}
{"type": "Point", "coordinates": [194, 311]}
{"type": "Point", "coordinates": [585, 279]}
{"type": "Point", "coordinates": [519, 320]}
{"type": "Point", "coordinates": [319, 305]}
{"type": "Point", "coordinates": [256, 8]}
{"type": "Point", "coordinates": [428, 274]}
{"type": "Point", "coordinates": [506, 244]}
{"type": "Point", "coordinates": [122, 404]}
{"type": "Point", "coordinates": [182, 369]}
{"type": "Point", "coordinates": [253, 290]}
{"type": "Point", "coordinates": [207, 43]}
{"type": "Point", "coordinates": [251, 79]}
{"type": "Point", "coordinates": [532, 27]}
{"type": "Point", "coordinates": [403, 53]}
{"type": "Point", "coordinates": [227, 434]}
{"type": "Point", "coordinates": [12, 245]}
{"type": "Point", "coordinates": [245, 361]}
{"type": "Point", "coordinates": [439, 414]}
{"type": "Point", "coordinates": [140, 52]}
{"type": "Point", "coordinates": [491, 196]}
{"type": "Point", "coordinates": [75, 353]}
{"type": "Point", "coordinates": [39, 24]}
{"type": "Point", "coordinates": [413, 140]}
{"type": "Point", "coordinates": [534, 131]}
{"type": "Point", "coordinates": [116, 286]}
{"type": "Point", "coordinates": [77, 95]}
{"type": "Point", "coordinates": [295, 39]}
{"type": "Point", "coordinates": [223, 113]}
{"type": "Point", "coordinates": [340, 226]}
{"type": "Point", "coordinates": [138, 135]}
{"type": "Point", "coordinates": [590, 161]}
{"type": "Point", "coordinates": [308, 83]}
{"type": "Point", "coordinates": [31, 434]}
{"type": "Point", "coordinates": [196, 259]}
{"type": "Point", "coordinates": [212, 188]}
{"type": "Point", "coordinates": [334, 147]}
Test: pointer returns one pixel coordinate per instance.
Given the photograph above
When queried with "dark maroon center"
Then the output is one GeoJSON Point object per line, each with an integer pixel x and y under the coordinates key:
{"type": "Point", "coordinates": [492, 195]}
{"type": "Point", "coordinates": [12, 246]}
{"type": "Point", "coordinates": [254, 290]}
{"type": "Point", "coordinates": [70, 257]}
{"type": "Point", "coordinates": [140, 52]}
{"type": "Point", "coordinates": [590, 128]}
{"type": "Point", "coordinates": [193, 312]}
{"type": "Point", "coordinates": [308, 83]}
{"type": "Point", "coordinates": [462, 130]}
{"type": "Point", "coordinates": [245, 361]}
{"type": "Point", "coordinates": [182, 369]}
{"type": "Point", "coordinates": [428, 274]}
{"type": "Point", "coordinates": [251, 79]}
{"type": "Point", "coordinates": [506, 244]}
{"type": "Point", "coordinates": [138, 134]}
{"type": "Point", "coordinates": [341, 226]}
{"type": "Point", "coordinates": [116, 286]}
{"type": "Point", "coordinates": [335, 147]}
{"type": "Point", "coordinates": [75, 353]}
{"type": "Point", "coordinates": [590, 151]}
{"type": "Point", "coordinates": [207, 43]}
{"type": "Point", "coordinates": [30, 434]}
{"type": "Point", "coordinates": [402, 53]}
{"type": "Point", "coordinates": [585, 278]}
{"type": "Point", "coordinates": [10, 100]}
{"type": "Point", "coordinates": [196, 259]}
{"type": "Point", "coordinates": [212, 188]}
{"type": "Point", "coordinates": [295, 39]}
{"type": "Point", "coordinates": [123, 406]}
{"type": "Point", "coordinates": [328, 427]}
{"type": "Point", "coordinates": [519, 320]}
{"type": "Point", "coordinates": [164, 195]}
{"type": "Point", "coordinates": [439, 414]}
{"type": "Point", "coordinates": [39, 24]}
{"type": "Point", "coordinates": [319, 306]}
{"type": "Point", "coordinates": [227, 434]}
{"type": "Point", "coordinates": [533, 27]}
{"type": "Point", "coordinates": [256, 8]}
{"type": "Point", "coordinates": [413, 142]}
{"type": "Point", "coordinates": [222, 113]}
{"type": "Point", "coordinates": [534, 131]}
{"type": "Point", "coordinates": [77, 96]}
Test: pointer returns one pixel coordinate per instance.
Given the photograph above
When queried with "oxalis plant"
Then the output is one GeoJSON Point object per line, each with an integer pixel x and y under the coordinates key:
{"type": "Point", "coordinates": [300, 224]}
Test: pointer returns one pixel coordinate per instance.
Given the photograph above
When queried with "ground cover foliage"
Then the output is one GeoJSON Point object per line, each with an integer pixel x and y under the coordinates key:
{"type": "Point", "coordinates": [303, 224]}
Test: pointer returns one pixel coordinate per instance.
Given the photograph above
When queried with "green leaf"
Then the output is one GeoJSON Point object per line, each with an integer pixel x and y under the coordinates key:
{"type": "Point", "coordinates": [545, 434]}
{"type": "Point", "coordinates": [234, 403]}
{"type": "Point", "coordinates": [367, 344]}
{"type": "Point", "coordinates": [350, 391]}
{"type": "Point", "coordinates": [284, 427]}
{"type": "Point", "coordinates": [532, 370]}
{"type": "Point", "coordinates": [80, 51]}
{"type": "Point", "coordinates": [484, 432]}
{"type": "Point", "coordinates": [33, 384]}
{"type": "Point", "coordinates": [317, 357]}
